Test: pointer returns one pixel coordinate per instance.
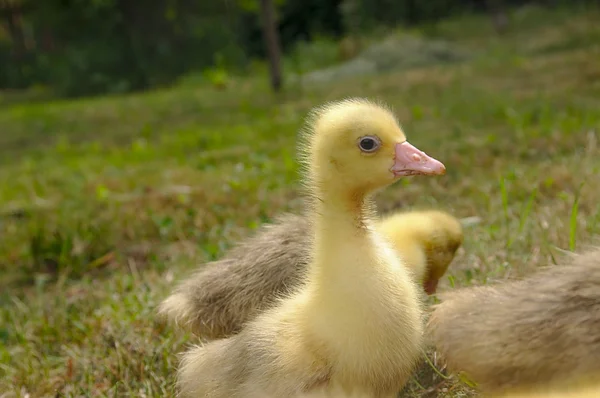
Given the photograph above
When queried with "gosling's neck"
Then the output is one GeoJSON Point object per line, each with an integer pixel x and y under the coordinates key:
{"type": "Point", "coordinates": [342, 223]}
{"type": "Point", "coordinates": [341, 210]}
{"type": "Point", "coordinates": [336, 203]}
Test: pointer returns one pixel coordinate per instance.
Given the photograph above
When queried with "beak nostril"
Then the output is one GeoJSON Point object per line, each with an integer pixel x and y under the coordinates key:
{"type": "Point", "coordinates": [409, 160]}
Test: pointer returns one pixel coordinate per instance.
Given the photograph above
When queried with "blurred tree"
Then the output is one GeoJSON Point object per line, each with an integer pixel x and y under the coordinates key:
{"type": "Point", "coordinates": [11, 14]}
{"type": "Point", "coordinates": [499, 16]}
{"type": "Point", "coordinates": [271, 38]}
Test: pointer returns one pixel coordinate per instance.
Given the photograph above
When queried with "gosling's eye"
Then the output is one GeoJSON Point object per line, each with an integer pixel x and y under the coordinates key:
{"type": "Point", "coordinates": [368, 143]}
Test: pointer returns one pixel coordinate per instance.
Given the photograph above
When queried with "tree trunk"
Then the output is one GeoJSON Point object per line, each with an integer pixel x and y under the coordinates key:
{"type": "Point", "coordinates": [15, 29]}
{"type": "Point", "coordinates": [499, 17]}
{"type": "Point", "coordinates": [127, 29]}
{"type": "Point", "coordinates": [271, 39]}
{"type": "Point", "coordinates": [47, 40]}
{"type": "Point", "coordinates": [12, 17]}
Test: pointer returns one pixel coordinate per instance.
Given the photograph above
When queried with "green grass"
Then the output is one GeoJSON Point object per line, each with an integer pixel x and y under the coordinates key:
{"type": "Point", "coordinates": [105, 202]}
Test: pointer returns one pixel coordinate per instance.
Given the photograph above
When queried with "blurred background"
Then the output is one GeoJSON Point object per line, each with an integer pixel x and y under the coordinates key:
{"type": "Point", "coordinates": [140, 139]}
{"type": "Point", "coordinates": [80, 48]}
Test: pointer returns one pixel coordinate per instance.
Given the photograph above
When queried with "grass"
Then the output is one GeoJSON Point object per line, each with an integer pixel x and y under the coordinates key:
{"type": "Point", "coordinates": [105, 202]}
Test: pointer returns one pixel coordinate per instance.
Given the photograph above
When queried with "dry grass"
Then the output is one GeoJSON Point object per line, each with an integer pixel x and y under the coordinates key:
{"type": "Point", "coordinates": [104, 202]}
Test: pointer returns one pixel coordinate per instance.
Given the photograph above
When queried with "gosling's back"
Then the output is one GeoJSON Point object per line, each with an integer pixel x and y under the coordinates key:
{"type": "Point", "coordinates": [520, 333]}
{"type": "Point", "coordinates": [218, 298]}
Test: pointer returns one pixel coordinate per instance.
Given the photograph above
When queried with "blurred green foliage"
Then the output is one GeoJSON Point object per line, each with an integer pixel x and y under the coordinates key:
{"type": "Point", "coordinates": [86, 47]}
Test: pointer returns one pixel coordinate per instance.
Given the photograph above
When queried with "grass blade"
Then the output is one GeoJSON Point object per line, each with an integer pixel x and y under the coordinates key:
{"type": "Point", "coordinates": [573, 220]}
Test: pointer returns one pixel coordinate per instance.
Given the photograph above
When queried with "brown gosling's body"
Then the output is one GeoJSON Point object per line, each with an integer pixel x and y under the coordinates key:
{"type": "Point", "coordinates": [221, 296]}
{"type": "Point", "coordinates": [355, 325]}
{"type": "Point", "coordinates": [539, 331]}
{"type": "Point", "coordinates": [585, 390]}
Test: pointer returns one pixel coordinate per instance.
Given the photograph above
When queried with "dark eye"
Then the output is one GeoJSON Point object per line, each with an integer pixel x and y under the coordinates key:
{"type": "Point", "coordinates": [368, 144]}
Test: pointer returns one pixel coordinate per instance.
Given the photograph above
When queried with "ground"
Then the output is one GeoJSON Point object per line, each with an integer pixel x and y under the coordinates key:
{"type": "Point", "coordinates": [106, 202]}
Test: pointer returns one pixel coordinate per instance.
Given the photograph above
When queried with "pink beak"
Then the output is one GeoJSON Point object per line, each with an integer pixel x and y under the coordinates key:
{"type": "Point", "coordinates": [410, 161]}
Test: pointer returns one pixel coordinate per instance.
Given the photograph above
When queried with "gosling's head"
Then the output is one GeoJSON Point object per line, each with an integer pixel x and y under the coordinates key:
{"type": "Point", "coordinates": [359, 145]}
{"type": "Point", "coordinates": [442, 242]}
{"type": "Point", "coordinates": [437, 233]}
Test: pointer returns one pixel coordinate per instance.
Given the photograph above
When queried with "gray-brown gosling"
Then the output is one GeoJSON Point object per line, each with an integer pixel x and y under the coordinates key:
{"type": "Point", "coordinates": [526, 334]}
{"type": "Point", "coordinates": [586, 389]}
